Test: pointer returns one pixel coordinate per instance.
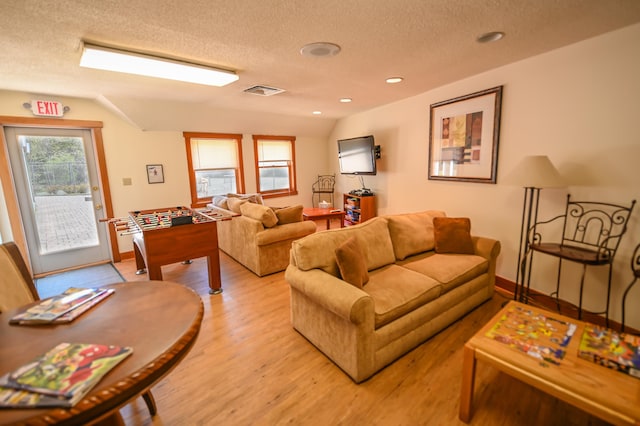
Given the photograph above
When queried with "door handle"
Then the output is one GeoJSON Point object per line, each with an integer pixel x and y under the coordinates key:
{"type": "Point", "coordinates": [98, 206]}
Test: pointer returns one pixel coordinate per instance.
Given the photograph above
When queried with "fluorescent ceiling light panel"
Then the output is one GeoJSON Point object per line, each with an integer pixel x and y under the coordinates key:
{"type": "Point", "coordinates": [108, 59]}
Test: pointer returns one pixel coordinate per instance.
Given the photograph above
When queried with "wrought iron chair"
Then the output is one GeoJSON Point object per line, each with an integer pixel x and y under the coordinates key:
{"type": "Point", "coordinates": [635, 268]}
{"type": "Point", "coordinates": [591, 234]}
{"type": "Point", "coordinates": [17, 288]}
{"type": "Point", "coordinates": [324, 185]}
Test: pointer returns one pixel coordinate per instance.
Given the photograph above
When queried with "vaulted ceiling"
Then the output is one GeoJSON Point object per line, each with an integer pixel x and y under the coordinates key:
{"type": "Point", "coordinates": [427, 42]}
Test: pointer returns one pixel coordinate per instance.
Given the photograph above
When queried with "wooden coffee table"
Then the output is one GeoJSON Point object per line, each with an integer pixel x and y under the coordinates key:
{"type": "Point", "coordinates": [160, 320]}
{"type": "Point", "coordinates": [316, 213]}
{"type": "Point", "coordinates": [610, 395]}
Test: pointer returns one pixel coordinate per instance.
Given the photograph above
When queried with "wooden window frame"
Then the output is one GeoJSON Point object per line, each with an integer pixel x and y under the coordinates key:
{"type": "Point", "coordinates": [202, 202]}
{"type": "Point", "coordinates": [292, 190]}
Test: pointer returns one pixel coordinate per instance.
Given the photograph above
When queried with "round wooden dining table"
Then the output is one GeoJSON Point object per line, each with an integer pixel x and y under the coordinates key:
{"type": "Point", "coordinates": [160, 320]}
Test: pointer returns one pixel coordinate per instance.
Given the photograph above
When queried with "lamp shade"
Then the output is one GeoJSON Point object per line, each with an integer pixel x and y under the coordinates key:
{"type": "Point", "coordinates": [535, 171]}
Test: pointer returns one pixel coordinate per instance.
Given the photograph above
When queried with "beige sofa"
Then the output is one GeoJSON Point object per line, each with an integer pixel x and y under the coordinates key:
{"type": "Point", "coordinates": [417, 286]}
{"type": "Point", "coordinates": [258, 236]}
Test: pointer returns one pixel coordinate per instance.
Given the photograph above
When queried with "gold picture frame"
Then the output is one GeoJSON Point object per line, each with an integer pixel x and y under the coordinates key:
{"type": "Point", "coordinates": [463, 137]}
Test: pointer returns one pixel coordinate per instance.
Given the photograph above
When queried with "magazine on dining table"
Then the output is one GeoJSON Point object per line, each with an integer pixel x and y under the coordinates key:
{"type": "Point", "coordinates": [61, 308]}
{"type": "Point", "coordinates": [61, 377]}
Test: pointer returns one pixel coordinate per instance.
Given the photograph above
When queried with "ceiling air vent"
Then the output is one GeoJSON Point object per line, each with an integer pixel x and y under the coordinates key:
{"type": "Point", "coordinates": [264, 90]}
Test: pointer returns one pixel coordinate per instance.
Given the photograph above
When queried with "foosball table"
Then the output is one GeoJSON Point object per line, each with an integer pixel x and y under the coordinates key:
{"type": "Point", "coordinates": [170, 235]}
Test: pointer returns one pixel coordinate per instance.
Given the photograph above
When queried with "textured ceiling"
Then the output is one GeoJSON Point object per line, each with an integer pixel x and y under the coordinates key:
{"type": "Point", "coordinates": [428, 42]}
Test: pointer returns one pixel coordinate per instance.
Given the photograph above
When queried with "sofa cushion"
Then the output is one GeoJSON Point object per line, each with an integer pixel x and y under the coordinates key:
{"type": "Point", "coordinates": [453, 235]}
{"type": "Point", "coordinates": [450, 270]}
{"type": "Point", "coordinates": [235, 203]}
{"type": "Point", "coordinates": [351, 263]}
{"type": "Point", "coordinates": [259, 212]}
{"type": "Point", "coordinates": [396, 291]}
{"type": "Point", "coordinates": [290, 214]}
{"type": "Point", "coordinates": [318, 250]}
{"type": "Point", "coordinates": [412, 233]}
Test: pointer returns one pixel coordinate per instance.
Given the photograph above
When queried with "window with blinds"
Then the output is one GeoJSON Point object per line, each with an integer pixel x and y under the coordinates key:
{"type": "Point", "coordinates": [275, 165]}
{"type": "Point", "coordinates": [215, 165]}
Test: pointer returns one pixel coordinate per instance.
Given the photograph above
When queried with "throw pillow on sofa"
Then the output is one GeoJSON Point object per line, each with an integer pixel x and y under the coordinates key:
{"type": "Point", "coordinates": [252, 198]}
{"type": "Point", "coordinates": [351, 263]}
{"type": "Point", "coordinates": [259, 212]}
{"type": "Point", "coordinates": [220, 201]}
{"type": "Point", "coordinates": [235, 203]}
{"type": "Point", "coordinates": [453, 235]}
{"type": "Point", "coordinates": [292, 214]}
{"type": "Point", "coordinates": [412, 233]}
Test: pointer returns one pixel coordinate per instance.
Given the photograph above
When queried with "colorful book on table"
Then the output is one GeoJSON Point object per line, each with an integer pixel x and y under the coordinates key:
{"type": "Point", "coordinates": [62, 308]}
{"type": "Point", "coordinates": [61, 377]}
{"type": "Point", "coordinates": [618, 351]}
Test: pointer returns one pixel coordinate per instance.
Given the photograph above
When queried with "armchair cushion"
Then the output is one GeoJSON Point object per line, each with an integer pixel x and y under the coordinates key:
{"type": "Point", "coordinates": [290, 214]}
{"type": "Point", "coordinates": [252, 198]}
{"type": "Point", "coordinates": [259, 212]}
{"type": "Point", "coordinates": [235, 203]}
{"type": "Point", "coordinates": [351, 263]}
{"type": "Point", "coordinates": [452, 235]}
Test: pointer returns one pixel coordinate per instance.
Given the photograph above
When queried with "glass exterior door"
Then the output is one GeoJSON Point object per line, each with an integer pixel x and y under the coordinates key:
{"type": "Point", "coordinates": [59, 196]}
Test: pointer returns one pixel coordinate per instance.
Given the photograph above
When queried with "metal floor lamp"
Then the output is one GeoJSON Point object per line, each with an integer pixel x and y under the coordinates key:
{"type": "Point", "coordinates": [533, 173]}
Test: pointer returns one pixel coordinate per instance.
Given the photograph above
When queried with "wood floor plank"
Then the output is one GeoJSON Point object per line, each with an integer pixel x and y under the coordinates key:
{"type": "Point", "coordinates": [250, 367]}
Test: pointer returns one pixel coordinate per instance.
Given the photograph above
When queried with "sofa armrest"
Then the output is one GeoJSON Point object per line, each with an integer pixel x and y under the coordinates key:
{"type": "Point", "coordinates": [486, 247]}
{"type": "Point", "coordinates": [289, 231]}
{"type": "Point", "coordinates": [337, 296]}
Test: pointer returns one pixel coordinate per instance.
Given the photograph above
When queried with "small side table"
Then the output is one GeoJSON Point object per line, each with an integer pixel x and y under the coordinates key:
{"type": "Point", "coordinates": [316, 213]}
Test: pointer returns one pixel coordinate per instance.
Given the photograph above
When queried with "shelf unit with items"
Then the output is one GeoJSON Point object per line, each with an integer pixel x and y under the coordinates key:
{"type": "Point", "coordinates": [358, 208]}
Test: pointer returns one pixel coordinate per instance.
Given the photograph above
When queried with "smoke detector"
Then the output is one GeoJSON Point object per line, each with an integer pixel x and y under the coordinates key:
{"type": "Point", "coordinates": [264, 90]}
{"type": "Point", "coordinates": [320, 49]}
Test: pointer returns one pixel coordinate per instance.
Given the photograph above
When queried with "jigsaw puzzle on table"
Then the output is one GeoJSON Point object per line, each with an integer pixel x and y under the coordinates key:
{"type": "Point", "coordinates": [618, 351]}
{"type": "Point", "coordinates": [533, 333]}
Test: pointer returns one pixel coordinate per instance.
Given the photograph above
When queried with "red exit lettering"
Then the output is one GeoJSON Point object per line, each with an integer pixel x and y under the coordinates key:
{"type": "Point", "coordinates": [47, 108]}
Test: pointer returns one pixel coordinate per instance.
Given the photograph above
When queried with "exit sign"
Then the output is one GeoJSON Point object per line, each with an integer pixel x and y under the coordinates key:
{"type": "Point", "coordinates": [47, 108]}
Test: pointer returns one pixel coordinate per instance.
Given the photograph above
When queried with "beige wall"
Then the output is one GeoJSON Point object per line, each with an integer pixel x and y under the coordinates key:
{"type": "Point", "coordinates": [128, 150]}
{"type": "Point", "coordinates": [579, 105]}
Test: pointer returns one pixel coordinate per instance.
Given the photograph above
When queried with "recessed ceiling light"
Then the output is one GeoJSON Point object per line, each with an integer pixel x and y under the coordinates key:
{"type": "Point", "coordinates": [317, 112]}
{"type": "Point", "coordinates": [345, 100]}
{"type": "Point", "coordinates": [393, 80]}
{"type": "Point", "coordinates": [320, 49]}
{"type": "Point", "coordinates": [489, 37]}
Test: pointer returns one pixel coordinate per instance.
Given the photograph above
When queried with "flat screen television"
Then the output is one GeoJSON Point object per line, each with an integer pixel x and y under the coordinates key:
{"type": "Point", "coordinates": [357, 156]}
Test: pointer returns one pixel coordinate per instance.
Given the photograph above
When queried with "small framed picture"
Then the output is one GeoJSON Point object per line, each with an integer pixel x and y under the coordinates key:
{"type": "Point", "coordinates": [155, 174]}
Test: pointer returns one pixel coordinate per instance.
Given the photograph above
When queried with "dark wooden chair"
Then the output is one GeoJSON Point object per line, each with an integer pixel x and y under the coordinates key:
{"type": "Point", "coordinates": [635, 268]}
{"type": "Point", "coordinates": [17, 289]}
{"type": "Point", "coordinates": [591, 234]}
{"type": "Point", "coordinates": [323, 187]}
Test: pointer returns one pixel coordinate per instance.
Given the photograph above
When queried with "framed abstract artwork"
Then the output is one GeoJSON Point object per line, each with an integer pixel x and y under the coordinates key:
{"type": "Point", "coordinates": [463, 137]}
{"type": "Point", "coordinates": [155, 173]}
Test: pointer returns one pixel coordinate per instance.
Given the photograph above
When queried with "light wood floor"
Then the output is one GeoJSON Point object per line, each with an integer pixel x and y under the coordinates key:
{"type": "Point", "coordinates": [250, 367]}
